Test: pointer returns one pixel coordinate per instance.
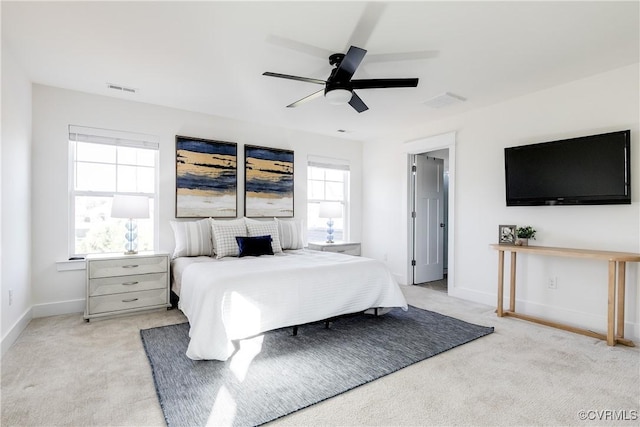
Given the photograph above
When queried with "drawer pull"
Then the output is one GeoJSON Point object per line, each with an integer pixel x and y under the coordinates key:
{"type": "Point", "coordinates": [130, 283]}
{"type": "Point", "coordinates": [130, 300]}
{"type": "Point", "coordinates": [342, 251]}
{"type": "Point", "coordinates": [130, 266]}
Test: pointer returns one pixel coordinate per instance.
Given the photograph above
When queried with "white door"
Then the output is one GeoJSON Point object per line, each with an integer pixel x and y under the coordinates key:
{"type": "Point", "coordinates": [429, 223]}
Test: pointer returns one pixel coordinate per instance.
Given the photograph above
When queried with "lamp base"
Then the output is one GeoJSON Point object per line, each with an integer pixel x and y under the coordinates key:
{"type": "Point", "coordinates": [330, 231]}
{"type": "Point", "coordinates": [130, 252]}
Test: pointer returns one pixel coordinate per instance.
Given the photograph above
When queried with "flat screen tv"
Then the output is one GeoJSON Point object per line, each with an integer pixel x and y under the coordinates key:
{"type": "Point", "coordinates": [589, 170]}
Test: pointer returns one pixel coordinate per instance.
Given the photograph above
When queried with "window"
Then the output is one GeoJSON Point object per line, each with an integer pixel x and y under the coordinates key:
{"type": "Point", "coordinates": [327, 180]}
{"type": "Point", "coordinates": [103, 163]}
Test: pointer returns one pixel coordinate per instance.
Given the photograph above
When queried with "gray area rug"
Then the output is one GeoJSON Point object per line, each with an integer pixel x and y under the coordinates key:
{"type": "Point", "coordinates": [277, 373]}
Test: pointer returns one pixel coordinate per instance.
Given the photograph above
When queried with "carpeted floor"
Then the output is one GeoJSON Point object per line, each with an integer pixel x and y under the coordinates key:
{"type": "Point", "coordinates": [277, 373]}
{"type": "Point", "coordinates": [63, 371]}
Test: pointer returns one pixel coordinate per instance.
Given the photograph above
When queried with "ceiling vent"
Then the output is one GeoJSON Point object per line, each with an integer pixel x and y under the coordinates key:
{"type": "Point", "coordinates": [121, 88]}
{"type": "Point", "coordinates": [444, 100]}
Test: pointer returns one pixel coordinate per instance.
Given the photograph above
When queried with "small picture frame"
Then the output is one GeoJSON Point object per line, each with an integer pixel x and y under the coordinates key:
{"type": "Point", "coordinates": [507, 234]}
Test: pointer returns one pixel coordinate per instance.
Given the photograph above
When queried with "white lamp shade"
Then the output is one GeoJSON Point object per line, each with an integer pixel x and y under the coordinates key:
{"type": "Point", "coordinates": [338, 96]}
{"type": "Point", "coordinates": [130, 206]}
{"type": "Point", "coordinates": [330, 210]}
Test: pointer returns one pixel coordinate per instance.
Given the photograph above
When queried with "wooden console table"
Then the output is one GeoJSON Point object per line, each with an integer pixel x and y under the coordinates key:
{"type": "Point", "coordinates": [617, 263]}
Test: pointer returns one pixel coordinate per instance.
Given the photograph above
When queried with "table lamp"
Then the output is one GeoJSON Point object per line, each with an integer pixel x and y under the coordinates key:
{"type": "Point", "coordinates": [131, 207]}
{"type": "Point", "coordinates": [330, 210]}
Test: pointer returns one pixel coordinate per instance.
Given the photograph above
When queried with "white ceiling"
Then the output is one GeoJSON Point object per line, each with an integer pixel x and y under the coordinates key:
{"type": "Point", "coordinates": [209, 56]}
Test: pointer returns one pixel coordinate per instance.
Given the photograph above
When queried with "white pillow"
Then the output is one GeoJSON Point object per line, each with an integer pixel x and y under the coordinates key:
{"type": "Point", "coordinates": [291, 233]}
{"type": "Point", "coordinates": [257, 228]}
{"type": "Point", "coordinates": [224, 236]}
{"type": "Point", "coordinates": [193, 238]}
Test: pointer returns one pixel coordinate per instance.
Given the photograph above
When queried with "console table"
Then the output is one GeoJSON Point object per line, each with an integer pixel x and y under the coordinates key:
{"type": "Point", "coordinates": [617, 263]}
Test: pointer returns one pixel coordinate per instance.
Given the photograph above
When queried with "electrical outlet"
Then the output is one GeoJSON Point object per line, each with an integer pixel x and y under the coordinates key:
{"type": "Point", "coordinates": [553, 283]}
{"type": "Point", "coordinates": [10, 296]}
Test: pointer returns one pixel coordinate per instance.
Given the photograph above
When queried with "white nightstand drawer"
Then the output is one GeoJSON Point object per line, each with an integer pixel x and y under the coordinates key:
{"type": "Point", "coordinates": [344, 249]}
{"type": "Point", "coordinates": [123, 284]}
{"type": "Point", "coordinates": [127, 301]}
{"type": "Point", "coordinates": [341, 247]}
{"type": "Point", "coordinates": [127, 267]}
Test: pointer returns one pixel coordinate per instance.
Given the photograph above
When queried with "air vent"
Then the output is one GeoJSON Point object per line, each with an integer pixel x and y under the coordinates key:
{"type": "Point", "coordinates": [121, 88]}
{"type": "Point", "coordinates": [444, 100]}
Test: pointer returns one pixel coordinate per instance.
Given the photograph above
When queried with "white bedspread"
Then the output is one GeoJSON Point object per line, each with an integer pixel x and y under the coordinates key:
{"type": "Point", "coordinates": [242, 297]}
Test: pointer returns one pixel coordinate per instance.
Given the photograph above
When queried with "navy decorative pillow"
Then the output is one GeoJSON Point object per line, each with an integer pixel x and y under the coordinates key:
{"type": "Point", "coordinates": [254, 246]}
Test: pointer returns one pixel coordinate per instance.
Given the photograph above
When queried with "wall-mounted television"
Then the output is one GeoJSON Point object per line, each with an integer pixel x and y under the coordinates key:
{"type": "Point", "coordinates": [589, 170]}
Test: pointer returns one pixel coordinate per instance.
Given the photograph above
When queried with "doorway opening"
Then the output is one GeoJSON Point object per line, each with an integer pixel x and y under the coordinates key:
{"type": "Point", "coordinates": [443, 147]}
{"type": "Point", "coordinates": [429, 196]}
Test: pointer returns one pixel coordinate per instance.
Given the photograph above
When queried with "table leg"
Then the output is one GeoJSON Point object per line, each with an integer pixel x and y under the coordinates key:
{"type": "Point", "coordinates": [611, 304]}
{"type": "Point", "coordinates": [500, 281]}
{"type": "Point", "coordinates": [512, 284]}
{"type": "Point", "coordinates": [621, 290]}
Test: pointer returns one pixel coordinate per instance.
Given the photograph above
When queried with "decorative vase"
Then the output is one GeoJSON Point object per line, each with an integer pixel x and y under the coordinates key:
{"type": "Point", "coordinates": [522, 242]}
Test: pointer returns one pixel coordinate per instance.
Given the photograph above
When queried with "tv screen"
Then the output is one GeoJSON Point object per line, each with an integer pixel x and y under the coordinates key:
{"type": "Point", "coordinates": [590, 170]}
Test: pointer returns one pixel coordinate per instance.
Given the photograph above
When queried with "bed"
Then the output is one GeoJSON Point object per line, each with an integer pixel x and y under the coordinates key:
{"type": "Point", "coordinates": [234, 298]}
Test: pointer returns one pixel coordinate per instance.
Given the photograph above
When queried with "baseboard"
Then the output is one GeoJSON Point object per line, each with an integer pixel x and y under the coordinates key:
{"type": "Point", "coordinates": [15, 331]}
{"type": "Point", "coordinates": [575, 318]}
{"type": "Point", "coordinates": [57, 308]}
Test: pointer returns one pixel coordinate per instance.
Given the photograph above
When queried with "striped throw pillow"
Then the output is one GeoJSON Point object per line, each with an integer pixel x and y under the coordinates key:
{"type": "Point", "coordinates": [291, 233]}
{"type": "Point", "coordinates": [193, 238]}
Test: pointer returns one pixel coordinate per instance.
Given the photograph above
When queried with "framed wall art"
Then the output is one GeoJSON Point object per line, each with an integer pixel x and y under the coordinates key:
{"type": "Point", "coordinates": [507, 234]}
{"type": "Point", "coordinates": [268, 185]}
{"type": "Point", "coordinates": [206, 178]}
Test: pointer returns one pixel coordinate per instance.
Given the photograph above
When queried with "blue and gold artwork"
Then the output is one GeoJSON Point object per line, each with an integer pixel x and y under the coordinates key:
{"type": "Point", "coordinates": [206, 178]}
{"type": "Point", "coordinates": [268, 182]}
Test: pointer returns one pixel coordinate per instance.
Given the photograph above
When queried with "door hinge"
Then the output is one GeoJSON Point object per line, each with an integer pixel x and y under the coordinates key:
{"type": "Point", "coordinates": [413, 214]}
{"type": "Point", "coordinates": [414, 168]}
{"type": "Point", "coordinates": [413, 262]}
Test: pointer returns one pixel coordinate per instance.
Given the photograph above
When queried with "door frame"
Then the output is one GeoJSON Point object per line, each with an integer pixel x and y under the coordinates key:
{"type": "Point", "coordinates": [420, 146]}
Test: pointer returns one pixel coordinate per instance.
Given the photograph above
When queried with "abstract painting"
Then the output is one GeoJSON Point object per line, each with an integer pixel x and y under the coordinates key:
{"type": "Point", "coordinates": [206, 178]}
{"type": "Point", "coordinates": [268, 182]}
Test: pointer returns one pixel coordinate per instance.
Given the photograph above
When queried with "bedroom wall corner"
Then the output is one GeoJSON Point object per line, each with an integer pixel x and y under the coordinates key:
{"type": "Point", "coordinates": [15, 216]}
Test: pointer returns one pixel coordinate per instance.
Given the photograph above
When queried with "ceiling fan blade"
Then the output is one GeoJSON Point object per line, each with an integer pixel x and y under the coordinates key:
{"type": "Point", "coordinates": [306, 99]}
{"type": "Point", "coordinates": [402, 56]}
{"type": "Point", "coordinates": [287, 76]}
{"type": "Point", "coordinates": [383, 83]}
{"type": "Point", "coordinates": [367, 23]}
{"type": "Point", "coordinates": [357, 103]}
{"type": "Point", "coordinates": [349, 64]}
{"type": "Point", "coordinates": [305, 48]}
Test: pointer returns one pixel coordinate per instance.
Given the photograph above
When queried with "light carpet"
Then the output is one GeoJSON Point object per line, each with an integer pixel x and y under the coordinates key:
{"type": "Point", "coordinates": [276, 373]}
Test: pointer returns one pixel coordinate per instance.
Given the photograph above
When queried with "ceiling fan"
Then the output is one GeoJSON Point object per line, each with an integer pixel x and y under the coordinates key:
{"type": "Point", "coordinates": [339, 87]}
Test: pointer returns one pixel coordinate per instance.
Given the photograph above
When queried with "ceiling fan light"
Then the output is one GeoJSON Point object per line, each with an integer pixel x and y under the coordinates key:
{"type": "Point", "coordinates": [338, 96]}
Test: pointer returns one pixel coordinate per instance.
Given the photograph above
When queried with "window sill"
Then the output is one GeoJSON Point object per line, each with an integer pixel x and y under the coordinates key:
{"type": "Point", "coordinates": [70, 265]}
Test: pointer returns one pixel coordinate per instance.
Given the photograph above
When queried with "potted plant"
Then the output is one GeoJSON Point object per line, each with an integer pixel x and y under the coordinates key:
{"type": "Point", "coordinates": [523, 234]}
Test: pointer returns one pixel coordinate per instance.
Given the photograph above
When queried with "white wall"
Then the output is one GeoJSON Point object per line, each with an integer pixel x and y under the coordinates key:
{"type": "Point", "coordinates": [601, 103]}
{"type": "Point", "coordinates": [54, 109]}
{"type": "Point", "coordinates": [15, 199]}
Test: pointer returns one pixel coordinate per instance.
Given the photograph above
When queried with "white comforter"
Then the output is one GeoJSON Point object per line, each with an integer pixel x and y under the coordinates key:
{"type": "Point", "coordinates": [235, 299]}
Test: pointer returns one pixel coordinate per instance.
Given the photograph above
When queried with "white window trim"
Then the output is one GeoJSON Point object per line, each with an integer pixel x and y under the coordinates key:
{"type": "Point", "coordinates": [109, 137]}
{"type": "Point", "coordinates": [336, 164]}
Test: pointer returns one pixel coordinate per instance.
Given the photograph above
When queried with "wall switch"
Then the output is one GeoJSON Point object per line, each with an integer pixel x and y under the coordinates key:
{"type": "Point", "coordinates": [10, 296]}
{"type": "Point", "coordinates": [553, 283]}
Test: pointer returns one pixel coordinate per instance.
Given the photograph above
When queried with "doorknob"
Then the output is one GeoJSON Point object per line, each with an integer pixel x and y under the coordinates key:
{"type": "Point", "coordinates": [442, 225]}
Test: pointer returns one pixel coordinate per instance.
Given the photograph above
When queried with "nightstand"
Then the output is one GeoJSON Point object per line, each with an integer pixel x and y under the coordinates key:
{"type": "Point", "coordinates": [122, 284]}
{"type": "Point", "coordinates": [340, 247]}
